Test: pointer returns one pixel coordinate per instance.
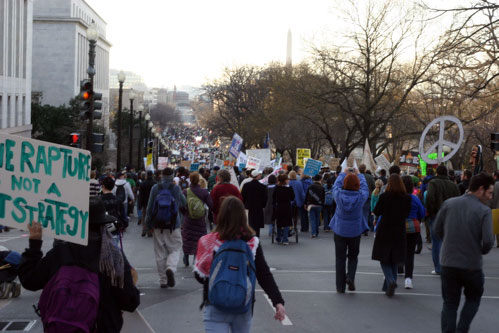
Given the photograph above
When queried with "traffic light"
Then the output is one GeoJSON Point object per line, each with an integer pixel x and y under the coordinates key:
{"type": "Point", "coordinates": [98, 143]}
{"type": "Point", "coordinates": [74, 140]}
{"type": "Point", "coordinates": [97, 105]}
{"type": "Point", "coordinates": [150, 145]}
{"type": "Point", "coordinates": [494, 141]}
{"type": "Point", "coordinates": [85, 98]}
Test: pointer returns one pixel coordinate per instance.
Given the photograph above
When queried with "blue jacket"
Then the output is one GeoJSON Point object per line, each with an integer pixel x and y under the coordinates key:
{"type": "Point", "coordinates": [299, 193]}
{"type": "Point", "coordinates": [417, 208]}
{"type": "Point", "coordinates": [348, 219]}
{"type": "Point", "coordinates": [424, 183]}
{"type": "Point", "coordinates": [177, 193]}
{"type": "Point", "coordinates": [306, 183]}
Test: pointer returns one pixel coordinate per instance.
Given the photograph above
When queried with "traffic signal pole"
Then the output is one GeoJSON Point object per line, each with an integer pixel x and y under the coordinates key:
{"type": "Point", "coordinates": [91, 73]}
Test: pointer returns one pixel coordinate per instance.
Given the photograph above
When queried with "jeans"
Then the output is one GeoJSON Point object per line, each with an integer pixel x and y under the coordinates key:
{"type": "Point", "coordinates": [453, 280]}
{"type": "Point", "coordinates": [271, 229]}
{"type": "Point", "coordinates": [365, 211]}
{"type": "Point", "coordinates": [282, 234]}
{"type": "Point", "coordinates": [411, 240]}
{"type": "Point", "coordinates": [390, 272]}
{"type": "Point", "coordinates": [346, 247]}
{"type": "Point", "coordinates": [315, 219]}
{"type": "Point", "coordinates": [327, 213]}
{"type": "Point", "coordinates": [221, 322]}
{"type": "Point", "coordinates": [303, 219]}
{"type": "Point", "coordinates": [436, 243]}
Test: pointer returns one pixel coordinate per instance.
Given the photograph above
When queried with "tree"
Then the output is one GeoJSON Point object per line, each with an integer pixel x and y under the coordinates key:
{"type": "Point", "coordinates": [164, 114]}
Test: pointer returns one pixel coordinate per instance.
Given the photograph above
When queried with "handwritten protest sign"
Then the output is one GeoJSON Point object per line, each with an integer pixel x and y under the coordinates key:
{"type": "Point", "coordinates": [301, 155]}
{"type": "Point", "coordinates": [235, 147]}
{"type": "Point", "coordinates": [382, 162]}
{"type": "Point", "coordinates": [262, 154]}
{"type": "Point", "coordinates": [253, 163]}
{"type": "Point", "coordinates": [45, 182]}
{"type": "Point", "coordinates": [312, 168]}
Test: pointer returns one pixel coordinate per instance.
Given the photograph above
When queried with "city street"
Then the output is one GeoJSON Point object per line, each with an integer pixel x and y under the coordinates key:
{"type": "Point", "coordinates": [305, 275]}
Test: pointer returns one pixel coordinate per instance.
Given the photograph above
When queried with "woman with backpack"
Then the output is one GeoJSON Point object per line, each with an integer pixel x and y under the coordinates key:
{"type": "Point", "coordinates": [96, 279]}
{"type": "Point", "coordinates": [233, 253]}
{"type": "Point", "coordinates": [194, 225]}
{"type": "Point", "coordinates": [328, 211]}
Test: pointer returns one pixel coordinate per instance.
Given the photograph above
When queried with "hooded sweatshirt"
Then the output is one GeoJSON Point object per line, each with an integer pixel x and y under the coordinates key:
{"type": "Point", "coordinates": [128, 189]}
{"type": "Point", "coordinates": [348, 220]}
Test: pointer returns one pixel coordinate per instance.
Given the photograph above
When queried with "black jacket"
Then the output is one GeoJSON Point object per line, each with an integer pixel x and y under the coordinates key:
{"type": "Point", "coordinates": [145, 191]}
{"type": "Point", "coordinates": [114, 207]}
{"type": "Point", "coordinates": [36, 271]}
{"type": "Point", "coordinates": [254, 196]}
{"type": "Point", "coordinates": [315, 195]}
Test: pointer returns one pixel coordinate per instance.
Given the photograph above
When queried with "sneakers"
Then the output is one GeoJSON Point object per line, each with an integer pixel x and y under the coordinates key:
{"type": "Point", "coordinates": [408, 283]}
{"type": "Point", "coordinates": [434, 272]}
{"type": "Point", "coordinates": [170, 278]}
{"type": "Point", "coordinates": [285, 243]}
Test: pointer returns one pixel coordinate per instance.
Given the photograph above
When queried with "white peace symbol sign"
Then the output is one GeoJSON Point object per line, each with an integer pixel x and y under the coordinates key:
{"type": "Point", "coordinates": [441, 142]}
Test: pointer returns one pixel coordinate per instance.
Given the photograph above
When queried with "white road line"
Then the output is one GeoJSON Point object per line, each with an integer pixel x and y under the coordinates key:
{"type": "Point", "coordinates": [364, 273]}
{"type": "Point", "coordinates": [362, 292]}
{"type": "Point", "coordinates": [8, 238]}
{"type": "Point", "coordinates": [286, 321]}
{"type": "Point", "coordinates": [145, 321]}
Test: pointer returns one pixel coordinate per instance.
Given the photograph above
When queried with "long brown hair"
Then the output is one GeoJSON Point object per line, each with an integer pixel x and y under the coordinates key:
{"type": "Point", "coordinates": [232, 222]}
{"type": "Point", "coordinates": [395, 185]}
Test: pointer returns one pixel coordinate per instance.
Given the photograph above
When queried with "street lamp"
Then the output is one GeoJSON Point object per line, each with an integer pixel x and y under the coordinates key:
{"type": "Point", "coordinates": [92, 36]}
{"type": "Point", "coordinates": [131, 97]}
{"type": "Point", "coordinates": [147, 118]}
{"type": "Point", "coordinates": [121, 80]}
{"type": "Point", "coordinates": [140, 108]}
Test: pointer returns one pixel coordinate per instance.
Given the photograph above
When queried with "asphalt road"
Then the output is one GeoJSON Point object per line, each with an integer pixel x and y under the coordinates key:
{"type": "Point", "coordinates": [305, 275]}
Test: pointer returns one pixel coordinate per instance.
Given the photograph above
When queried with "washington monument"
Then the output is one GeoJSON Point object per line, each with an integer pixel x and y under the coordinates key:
{"type": "Point", "coordinates": [289, 50]}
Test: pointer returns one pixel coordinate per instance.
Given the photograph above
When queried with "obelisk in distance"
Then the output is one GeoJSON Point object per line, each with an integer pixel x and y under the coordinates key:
{"type": "Point", "coordinates": [289, 50]}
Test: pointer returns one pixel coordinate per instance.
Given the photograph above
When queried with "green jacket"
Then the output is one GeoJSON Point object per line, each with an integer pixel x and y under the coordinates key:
{"type": "Point", "coordinates": [440, 188]}
{"type": "Point", "coordinates": [212, 180]}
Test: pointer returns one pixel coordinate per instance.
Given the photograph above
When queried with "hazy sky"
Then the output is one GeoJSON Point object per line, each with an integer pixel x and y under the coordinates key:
{"type": "Point", "coordinates": [187, 42]}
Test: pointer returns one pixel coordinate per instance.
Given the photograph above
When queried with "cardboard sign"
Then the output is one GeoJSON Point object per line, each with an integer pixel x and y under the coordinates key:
{"type": "Point", "coordinates": [162, 162]}
{"type": "Point", "coordinates": [301, 154]}
{"type": "Point", "coordinates": [194, 167]}
{"type": "Point", "coordinates": [47, 183]}
{"type": "Point", "coordinates": [312, 168]}
{"type": "Point", "coordinates": [383, 162]}
{"type": "Point", "coordinates": [186, 164]}
{"type": "Point", "coordinates": [253, 163]}
{"type": "Point", "coordinates": [236, 145]}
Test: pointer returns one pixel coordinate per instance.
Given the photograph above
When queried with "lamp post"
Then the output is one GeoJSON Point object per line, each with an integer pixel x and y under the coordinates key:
{"type": "Point", "coordinates": [131, 97]}
{"type": "Point", "coordinates": [147, 118]}
{"type": "Point", "coordinates": [157, 148]}
{"type": "Point", "coordinates": [121, 80]}
{"type": "Point", "coordinates": [92, 36]}
{"type": "Point", "coordinates": [140, 108]}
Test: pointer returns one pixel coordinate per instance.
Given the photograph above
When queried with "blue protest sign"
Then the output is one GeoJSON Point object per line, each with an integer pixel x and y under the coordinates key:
{"type": "Point", "coordinates": [194, 167]}
{"type": "Point", "coordinates": [312, 167]}
{"type": "Point", "coordinates": [236, 145]}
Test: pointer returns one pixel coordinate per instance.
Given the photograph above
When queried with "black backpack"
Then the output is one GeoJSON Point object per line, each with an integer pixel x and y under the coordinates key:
{"type": "Point", "coordinates": [120, 192]}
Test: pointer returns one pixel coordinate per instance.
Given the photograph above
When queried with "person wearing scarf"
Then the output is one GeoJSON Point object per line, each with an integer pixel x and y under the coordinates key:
{"type": "Point", "coordinates": [232, 223]}
{"type": "Point", "coordinates": [117, 291]}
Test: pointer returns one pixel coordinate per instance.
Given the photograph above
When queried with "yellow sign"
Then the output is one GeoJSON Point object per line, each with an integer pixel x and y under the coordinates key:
{"type": "Point", "coordinates": [301, 155]}
{"type": "Point", "coordinates": [149, 160]}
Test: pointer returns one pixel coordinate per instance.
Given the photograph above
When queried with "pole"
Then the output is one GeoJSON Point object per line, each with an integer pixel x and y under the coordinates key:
{"type": "Point", "coordinates": [130, 161]}
{"type": "Point", "coordinates": [140, 139]}
{"type": "Point", "coordinates": [91, 73]}
{"type": "Point", "coordinates": [118, 153]}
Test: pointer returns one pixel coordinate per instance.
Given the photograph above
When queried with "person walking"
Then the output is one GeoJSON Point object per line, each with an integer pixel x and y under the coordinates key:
{"type": "Point", "coordinates": [440, 188]}
{"type": "Point", "coordinates": [166, 234]}
{"type": "Point", "coordinates": [268, 212]}
{"type": "Point", "coordinates": [389, 248]}
{"type": "Point", "coordinates": [194, 226]}
{"type": "Point", "coordinates": [375, 198]}
{"type": "Point", "coordinates": [327, 210]}
{"type": "Point", "coordinates": [232, 228]}
{"type": "Point", "coordinates": [282, 200]}
{"type": "Point", "coordinates": [465, 226]}
{"type": "Point", "coordinates": [254, 196]}
{"type": "Point", "coordinates": [305, 182]}
{"type": "Point", "coordinates": [350, 192]}
{"type": "Point", "coordinates": [314, 201]}
{"type": "Point", "coordinates": [412, 229]}
{"type": "Point", "coordinates": [145, 193]}
{"type": "Point", "coordinates": [123, 191]}
{"type": "Point", "coordinates": [299, 201]}
{"type": "Point", "coordinates": [222, 190]}
{"type": "Point", "coordinates": [101, 259]}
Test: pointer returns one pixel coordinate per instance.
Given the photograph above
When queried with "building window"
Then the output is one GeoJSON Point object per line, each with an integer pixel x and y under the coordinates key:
{"type": "Point", "coordinates": [1, 111]}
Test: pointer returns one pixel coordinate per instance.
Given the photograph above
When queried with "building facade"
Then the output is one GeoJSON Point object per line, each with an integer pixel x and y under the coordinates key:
{"type": "Point", "coordinates": [16, 22]}
{"type": "Point", "coordinates": [132, 80]}
{"type": "Point", "coordinates": [60, 52]}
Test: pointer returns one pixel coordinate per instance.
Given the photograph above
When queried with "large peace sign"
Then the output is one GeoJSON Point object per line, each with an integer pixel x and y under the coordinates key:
{"type": "Point", "coordinates": [441, 142]}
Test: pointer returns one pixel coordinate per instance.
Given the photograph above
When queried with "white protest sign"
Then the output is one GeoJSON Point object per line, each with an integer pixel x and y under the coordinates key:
{"type": "Point", "coordinates": [262, 154]}
{"type": "Point", "coordinates": [241, 159]}
{"type": "Point", "coordinates": [253, 163]}
{"type": "Point", "coordinates": [45, 182]}
{"type": "Point", "coordinates": [233, 177]}
{"type": "Point", "coordinates": [162, 162]}
{"type": "Point", "coordinates": [382, 162]}
{"type": "Point", "coordinates": [219, 163]}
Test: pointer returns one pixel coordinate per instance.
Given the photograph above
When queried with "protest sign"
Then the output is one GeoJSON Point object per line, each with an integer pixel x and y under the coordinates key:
{"type": "Point", "coordinates": [301, 154]}
{"type": "Point", "coordinates": [47, 183]}
{"type": "Point", "coordinates": [312, 168]}
{"type": "Point", "coordinates": [219, 163]}
{"type": "Point", "coordinates": [194, 167]}
{"type": "Point", "coordinates": [334, 163]}
{"type": "Point", "coordinates": [233, 178]}
{"type": "Point", "coordinates": [242, 158]}
{"type": "Point", "coordinates": [236, 145]}
{"type": "Point", "coordinates": [383, 162]}
{"type": "Point", "coordinates": [186, 164]}
{"type": "Point", "coordinates": [262, 154]}
{"type": "Point", "coordinates": [253, 163]}
{"type": "Point", "coordinates": [162, 162]}
{"type": "Point", "coordinates": [367, 157]}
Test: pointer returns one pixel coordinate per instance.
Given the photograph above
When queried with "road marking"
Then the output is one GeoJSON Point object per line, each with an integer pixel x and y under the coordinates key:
{"type": "Point", "coordinates": [286, 321]}
{"type": "Point", "coordinates": [4, 239]}
{"type": "Point", "coordinates": [145, 321]}
{"type": "Point", "coordinates": [362, 292]}
{"type": "Point", "coordinates": [366, 273]}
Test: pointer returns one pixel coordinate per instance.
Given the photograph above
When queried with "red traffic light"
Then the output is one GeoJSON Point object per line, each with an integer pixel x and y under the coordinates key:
{"type": "Point", "coordinates": [85, 95]}
{"type": "Point", "coordinates": [75, 137]}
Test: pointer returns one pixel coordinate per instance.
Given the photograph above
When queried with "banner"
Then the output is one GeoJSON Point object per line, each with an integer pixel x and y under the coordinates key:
{"type": "Point", "coordinates": [312, 168]}
{"type": "Point", "coordinates": [253, 163]}
{"type": "Point", "coordinates": [47, 183]}
{"type": "Point", "coordinates": [236, 145]}
{"type": "Point", "coordinates": [301, 154]}
{"type": "Point", "coordinates": [162, 162]}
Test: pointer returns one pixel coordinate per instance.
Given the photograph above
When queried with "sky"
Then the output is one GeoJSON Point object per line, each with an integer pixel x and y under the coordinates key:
{"type": "Point", "coordinates": [190, 42]}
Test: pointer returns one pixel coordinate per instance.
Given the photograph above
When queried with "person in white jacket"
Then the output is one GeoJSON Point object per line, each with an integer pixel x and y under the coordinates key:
{"type": "Point", "coordinates": [121, 181]}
